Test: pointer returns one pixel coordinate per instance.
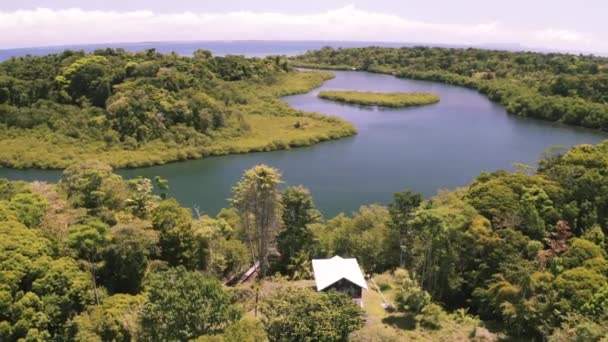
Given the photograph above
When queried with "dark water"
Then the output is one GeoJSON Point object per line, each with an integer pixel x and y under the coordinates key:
{"type": "Point", "coordinates": [426, 148]}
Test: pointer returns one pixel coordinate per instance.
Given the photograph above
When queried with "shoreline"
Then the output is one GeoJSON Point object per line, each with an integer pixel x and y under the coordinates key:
{"type": "Point", "coordinates": [288, 128]}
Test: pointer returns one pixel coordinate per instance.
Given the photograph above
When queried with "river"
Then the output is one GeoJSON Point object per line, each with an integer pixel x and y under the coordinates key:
{"type": "Point", "coordinates": [427, 148]}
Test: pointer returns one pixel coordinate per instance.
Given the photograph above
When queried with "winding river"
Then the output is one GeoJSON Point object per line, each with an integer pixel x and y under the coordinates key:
{"type": "Point", "coordinates": [424, 148]}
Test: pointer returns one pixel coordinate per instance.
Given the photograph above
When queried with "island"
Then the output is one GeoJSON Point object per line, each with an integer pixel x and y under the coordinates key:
{"type": "Point", "coordinates": [380, 99]}
{"type": "Point", "coordinates": [131, 109]}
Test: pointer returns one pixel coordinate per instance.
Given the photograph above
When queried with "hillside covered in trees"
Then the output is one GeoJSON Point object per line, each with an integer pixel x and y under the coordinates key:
{"type": "Point", "coordinates": [135, 109]}
{"type": "Point", "coordinates": [101, 258]}
{"type": "Point", "coordinates": [572, 89]}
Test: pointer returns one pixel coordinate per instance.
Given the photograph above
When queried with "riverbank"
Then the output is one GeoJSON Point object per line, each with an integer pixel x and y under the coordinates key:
{"type": "Point", "coordinates": [527, 84]}
{"type": "Point", "coordinates": [394, 100]}
{"type": "Point", "coordinates": [265, 124]}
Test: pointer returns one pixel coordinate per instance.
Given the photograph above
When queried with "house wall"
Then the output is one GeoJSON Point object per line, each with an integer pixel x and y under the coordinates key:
{"type": "Point", "coordinates": [345, 286]}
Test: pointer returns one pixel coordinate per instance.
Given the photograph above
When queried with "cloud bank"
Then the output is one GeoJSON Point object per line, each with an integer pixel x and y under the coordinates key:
{"type": "Point", "coordinates": [43, 27]}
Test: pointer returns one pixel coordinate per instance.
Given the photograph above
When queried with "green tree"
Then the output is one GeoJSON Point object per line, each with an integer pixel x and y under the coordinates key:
{"type": "Point", "coordinates": [401, 209]}
{"type": "Point", "coordinates": [580, 251]}
{"type": "Point", "coordinates": [305, 315]}
{"type": "Point", "coordinates": [183, 305]}
{"type": "Point", "coordinates": [88, 240]}
{"type": "Point", "coordinates": [575, 287]}
{"type": "Point", "coordinates": [142, 200]}
{"type": "Point", "coordinates": [410, 298]}
{"type": "Point", "coordinates": [92, 185]}
{"type": "Point", "coordinates": [257, 198]}
{"type": "Point", "coordinates": [596, 235]}
{"type": "Point", "coordinates": [114, 320]}
{"type": "Point", "coordinates": [298, 212]}
{"type": "Point", "coordinates": [534, 225]}
{"type": "Point", "coordinates": [126, 259]}
{"type": "Point", "coordinates": [177, 240]}
{"type": "Point", "coordinates": [29, 208]}
{"type": "Point", "coordinates": [520, 299]}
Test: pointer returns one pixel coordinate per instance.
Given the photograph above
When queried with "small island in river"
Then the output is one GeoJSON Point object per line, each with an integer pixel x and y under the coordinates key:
{"type": "Point", "coordinates": [380, 99]}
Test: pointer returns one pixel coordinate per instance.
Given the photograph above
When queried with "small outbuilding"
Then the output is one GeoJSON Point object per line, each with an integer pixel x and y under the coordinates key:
{"type": "Point", "coordinates": [343, 275]}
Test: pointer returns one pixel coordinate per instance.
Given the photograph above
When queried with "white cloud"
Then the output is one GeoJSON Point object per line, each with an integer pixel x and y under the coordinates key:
{"type": "Point", "coordinates": [560, 35]}
{"type": "Point", "coordinates": [43, 26]}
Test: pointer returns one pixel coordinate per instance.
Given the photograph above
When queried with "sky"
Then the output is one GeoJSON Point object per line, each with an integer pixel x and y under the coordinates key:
{"type": "Point", "coordinates": [575, 26]}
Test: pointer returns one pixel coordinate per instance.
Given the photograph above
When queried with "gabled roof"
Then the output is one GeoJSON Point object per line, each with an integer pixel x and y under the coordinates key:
{"type": "Point", "coordinates": [329, 271]}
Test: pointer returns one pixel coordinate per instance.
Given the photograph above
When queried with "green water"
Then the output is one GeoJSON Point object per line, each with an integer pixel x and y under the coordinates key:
{"type": "Point", "coordinates": [425, 148]}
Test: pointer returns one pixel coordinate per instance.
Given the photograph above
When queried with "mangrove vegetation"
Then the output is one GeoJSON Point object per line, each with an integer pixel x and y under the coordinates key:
{"type": "Point", "coordinates": [144, 108]}
{"type": "Point", "coordinates": [380, 99]}
{"type": "Point", "coordinates": [572, 89]}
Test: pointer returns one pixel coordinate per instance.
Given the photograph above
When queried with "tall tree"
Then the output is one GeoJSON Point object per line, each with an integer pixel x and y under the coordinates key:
{"type": "Point", "coordinates": [178, 243]}
{"type": "Point", "coordinates": [298, 212]}
{"type": "Point", "coordinates": [88, 240]}
{"type": "Point", "coordinates": [401, 209]}
{"type": "Point", "coordinates": [257, 199]}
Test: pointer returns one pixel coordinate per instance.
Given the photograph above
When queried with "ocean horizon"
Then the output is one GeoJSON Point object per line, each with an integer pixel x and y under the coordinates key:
{"type": "Point", "coordinates": [250, 48]}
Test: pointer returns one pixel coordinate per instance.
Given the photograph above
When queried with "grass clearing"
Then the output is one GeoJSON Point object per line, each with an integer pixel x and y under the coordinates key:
{"type": "Point", "coordinates": [385, 325]}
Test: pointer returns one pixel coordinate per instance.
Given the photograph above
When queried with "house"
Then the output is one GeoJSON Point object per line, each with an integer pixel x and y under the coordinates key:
{"type": "Point", "coordinates": [343, 275]}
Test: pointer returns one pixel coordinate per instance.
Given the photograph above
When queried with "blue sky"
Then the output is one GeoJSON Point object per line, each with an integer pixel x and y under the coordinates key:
{"type": "Point", "coordinates": [558, 24]}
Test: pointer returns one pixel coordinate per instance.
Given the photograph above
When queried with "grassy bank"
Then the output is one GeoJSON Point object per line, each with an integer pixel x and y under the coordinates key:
{"type": "Point", "coordinates": [263, 123]}
{"type": "Point", "coordinates": [380, 99]}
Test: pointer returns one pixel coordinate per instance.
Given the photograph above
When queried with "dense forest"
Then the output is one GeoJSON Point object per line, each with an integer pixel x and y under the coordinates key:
{"type": "Point", "coordinates": [133, 109]}
{"type": "Point", "coordinates": [95, 257]}
{"type": "Point", "coordinates": [100, 258]}
{"type": "Point", "coordinates": [572, 89]}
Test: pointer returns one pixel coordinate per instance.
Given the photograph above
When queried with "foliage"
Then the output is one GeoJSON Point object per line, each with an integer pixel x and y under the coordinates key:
{"type": "Point", "coordinates": [257, 199]}
{"type": "Point", "coordinates": [430, 316]}
{"type": "Point", "coordinates": [126, 259]}
{"type": "Point", "coordinates": [295, 240]}
{"type": "Point", "coordinates": [401, 210]}
{"type": "Point", "coordinates": [177, 240]}
{"type": "Point", "coordinates": [144, 108]}
{"type": "Point", "coordinates": [366, 236]}
{"type": "Point", "coordinates": [578, 328]}
{"type": "Point", "coordinates": [245, 330]}
{"type": "Point", "coordinates": [304, 315]}
{"type": "Point", "coordinates": [410, 297]}
{"type": "Point", "coordinates": [92, 185]}
{"type": "Point", "coordinates": [380, 99]}
{"type": "Point", "coordinates": [114, 320]}
{"type": "Point", "coordinates": [39, 292]}
{"type": "Point", "coordinates": [182, 305]}
{"type": "Point", "coordinates": [523, 250]}
{"type": "Point", "coordinates": [556, 87]}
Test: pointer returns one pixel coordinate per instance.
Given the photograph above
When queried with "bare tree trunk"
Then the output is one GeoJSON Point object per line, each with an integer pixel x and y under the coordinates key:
{"type": "Point", "coordinates": [257, 296]}
{"type": "Point", "coordinates": [94, 282]}
{"type": "Point", "coordinates": [400, 248]}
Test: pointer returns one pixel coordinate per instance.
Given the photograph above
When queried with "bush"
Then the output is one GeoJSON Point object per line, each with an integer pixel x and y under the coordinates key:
{"type": "Point", "coordinates": [305, 315]}
{"type": "Point", "coordinates": [430, 316]}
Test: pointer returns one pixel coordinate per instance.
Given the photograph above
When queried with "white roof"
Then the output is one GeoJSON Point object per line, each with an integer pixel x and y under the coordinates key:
{"type": "Point", "coordinates": [329, 271]}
